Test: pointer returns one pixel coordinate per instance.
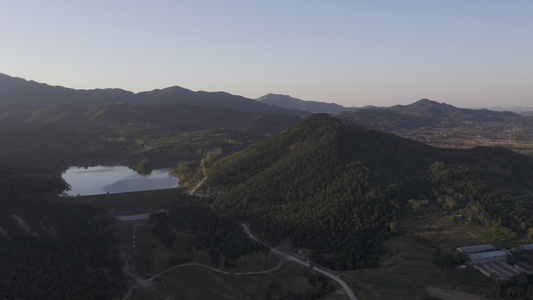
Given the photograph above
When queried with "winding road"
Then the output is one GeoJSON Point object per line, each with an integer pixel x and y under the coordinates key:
{"type": "Point", "coordinates": [289, 257]}
{"type": "Point", "coordinates": [147, 282]}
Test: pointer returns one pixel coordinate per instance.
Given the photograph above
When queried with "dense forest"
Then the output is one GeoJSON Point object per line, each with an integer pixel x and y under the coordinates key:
{"type": "Point", "coordinates": [459, 190]}
{"type": "Point", "coordinates": [66, 250]}
{"type": "Point", "coordinates": [56, 251]}
{"type": "Point", "coordinates": [222, 237]}
{"type": "Point", "coordinates": [51, 250]}
{"type": "Point", "coordinates": [324, 183]}
{"type": "Point", "coordinates": [338, 188]}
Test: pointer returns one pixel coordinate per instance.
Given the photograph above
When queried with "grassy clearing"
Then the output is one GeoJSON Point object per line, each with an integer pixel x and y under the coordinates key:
{"type": "Point", "coordinates": [408, 266]}
{"type": "Point", "coordinates": [467, 137]}
{"type": "Point", "coordinates": [151, 256]}
{"type": "Point", "coordinates": [407, 270]}
{"type": "Point", "coordinates": [199, 283]}
{"type": "Point", "coordinates": [443, 232]}
{"type": "Point", "coordinates": [447, 294]}
{"type": "Point", "coordinates": [123, 203]}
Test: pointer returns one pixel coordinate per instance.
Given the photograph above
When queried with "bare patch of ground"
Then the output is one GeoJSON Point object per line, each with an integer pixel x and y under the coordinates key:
{"type": "Point", "coordinates": [447, 294]}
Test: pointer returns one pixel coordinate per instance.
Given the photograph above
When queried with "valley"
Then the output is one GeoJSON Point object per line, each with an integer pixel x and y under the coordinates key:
{"type": "Point", "coordinates": [445, 126]}
{"type": "Point", "coordinates": [370, 195]}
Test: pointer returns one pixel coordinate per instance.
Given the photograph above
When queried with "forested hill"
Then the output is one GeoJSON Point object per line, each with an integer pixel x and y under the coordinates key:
{"type": "Point", "coordinates": [430, 114]}
{"type": "Point", "coordinates": [432, 109]}
{"type": "Point", "coordinates": [50, 250]}
{"type": "Point", "coordinates": [424, 113]}
{"type": "Point", "coordinates": [180, 116]}
{"type": "Point", "coordinates": [116, 126]}
{"type": "Point", "coordinates": [338, 188]}
{"type": "Point", "coordinates": [23, 95]}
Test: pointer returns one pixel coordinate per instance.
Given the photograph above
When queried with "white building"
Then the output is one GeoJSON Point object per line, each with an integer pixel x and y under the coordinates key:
{"type": "Point", "coordinates": [487, 256]}
{"type": "Point", "coordinates": [476, 249]}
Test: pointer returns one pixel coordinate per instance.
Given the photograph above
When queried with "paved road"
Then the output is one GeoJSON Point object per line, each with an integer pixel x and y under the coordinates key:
{"type": "Point", "coordinates": [289, 257]}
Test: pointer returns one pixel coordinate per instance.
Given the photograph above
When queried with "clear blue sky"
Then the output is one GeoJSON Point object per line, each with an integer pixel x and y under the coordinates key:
{"type": "Point", "coordinates": [473, 53]}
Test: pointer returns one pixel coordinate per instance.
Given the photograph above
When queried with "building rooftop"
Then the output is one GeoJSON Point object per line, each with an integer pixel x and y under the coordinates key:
{"type": "Point", "coordinates": [476, 256]}
{"type": "Point", "coordinates": [488, 270]}
{"type": "Point", "coordinates": [476, 248]}
{"type": "Point", "coordinates": [527, 246]}
{"type": "Point", "coordinates": [525, 267]}
{"type": "Point", "coordinates": [506, 268]}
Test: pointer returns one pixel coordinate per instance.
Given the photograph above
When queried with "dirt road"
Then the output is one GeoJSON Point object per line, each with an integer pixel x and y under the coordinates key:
{"type": "Point", "coordinates": [289, 257]}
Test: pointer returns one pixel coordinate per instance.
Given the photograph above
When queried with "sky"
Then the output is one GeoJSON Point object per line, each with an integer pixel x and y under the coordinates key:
{"type": "Point", "coordinates": [474, 53]}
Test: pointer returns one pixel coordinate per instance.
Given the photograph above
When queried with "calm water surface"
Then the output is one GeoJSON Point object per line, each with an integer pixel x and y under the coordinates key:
{"type": "Point", "coordinates": [117, 179]}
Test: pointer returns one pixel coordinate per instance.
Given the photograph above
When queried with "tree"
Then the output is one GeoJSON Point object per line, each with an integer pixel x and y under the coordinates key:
{"type": "Point", "coordinates": [393, 227]}
{"type": "Point", "coordinates": [530, 234]}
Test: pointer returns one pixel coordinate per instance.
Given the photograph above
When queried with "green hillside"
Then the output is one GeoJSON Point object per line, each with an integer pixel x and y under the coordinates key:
{"type": "Point", "coordinates": [320, 182]}
{"type": "Point", "coordinates": [182, 117]}
{"type": "Point", "coordinates": [338, 188]}
{"type": "Point", "coordinates": [87, 127]}
{"type": "Point", "coordinates": [52, 250]}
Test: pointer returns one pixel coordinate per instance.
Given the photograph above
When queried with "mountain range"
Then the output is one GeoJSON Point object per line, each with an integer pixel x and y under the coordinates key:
{"type": "Point", "coordinates": [438, 124]}
{"type": "Point", "coordinates": [424, 113]}
{"type": "Point", "coordinates": [30, 94]}
{"type": "Point", "coordinates": [25, 94]}
{"type": "Point", "coordinates": [332, 180]}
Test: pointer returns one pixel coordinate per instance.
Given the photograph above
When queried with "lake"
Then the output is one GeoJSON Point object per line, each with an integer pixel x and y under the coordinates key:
{"type": "Point", "coordinates": [117, 179]}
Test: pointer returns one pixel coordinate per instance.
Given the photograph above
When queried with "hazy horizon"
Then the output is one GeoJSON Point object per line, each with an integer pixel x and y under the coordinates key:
{"type": "Point", "coordinates": [381, 53]}
{"type": "Point", "coordinates": [522, 108]}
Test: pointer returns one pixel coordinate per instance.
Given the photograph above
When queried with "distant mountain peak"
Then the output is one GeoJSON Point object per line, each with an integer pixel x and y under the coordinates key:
{"type": "Point", "coordinates": [290, 102]}
{"type": "Point", "coordinates": [270, 97]}
{"type": "Point", "coordinates": [429, 102]}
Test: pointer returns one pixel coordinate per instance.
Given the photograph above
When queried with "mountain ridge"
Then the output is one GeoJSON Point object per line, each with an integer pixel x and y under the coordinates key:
{"type": "Point", "coordinates": [30, 95]}
{"type": "Point", "coordinates": [434, 109]}
{"type": "Point", "coordinates": [289, 102]}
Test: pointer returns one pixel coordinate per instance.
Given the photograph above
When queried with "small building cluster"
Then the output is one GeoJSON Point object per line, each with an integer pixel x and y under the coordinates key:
{"type": "Point", "coordinates": [476, 249]}
{"type": "Point", "coordinates": [485, 257]}
{"type": "Point", "coordinates": [492, 263]}
{"type": "Point", "coordinates": [520, 248]}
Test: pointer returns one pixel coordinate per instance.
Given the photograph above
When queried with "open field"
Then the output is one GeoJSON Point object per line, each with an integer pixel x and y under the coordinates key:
{"type": "Point", "coordinates": [148, 256]}
{"type": "Point", "coordinates": [194, 282]}
{"type": "Point", "coordinates": [151, 256]}
{"type": "Point", "coordinates": [408, 265]}
{"type": "Point", "coordinates": [469, 136]}
{"type": "Point", "coordinates": [442, 232]}
{"type": "Point", "coordinates": [199, 283]}
{"type": "Point", "coordinates": [408, 270]}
